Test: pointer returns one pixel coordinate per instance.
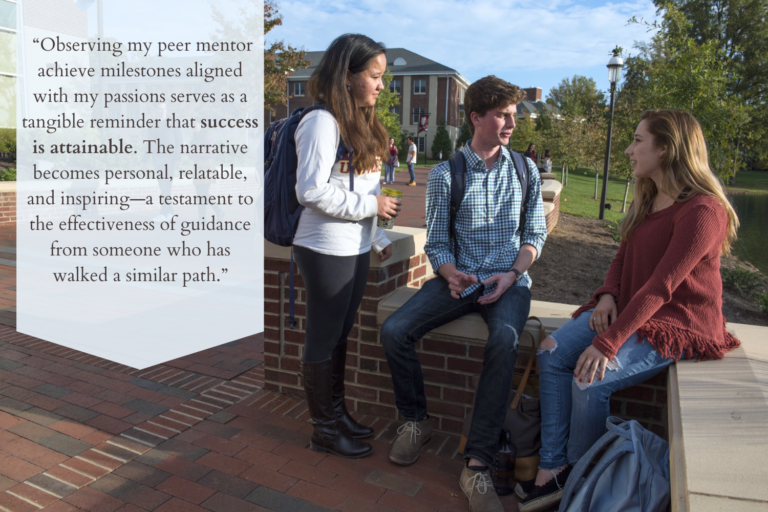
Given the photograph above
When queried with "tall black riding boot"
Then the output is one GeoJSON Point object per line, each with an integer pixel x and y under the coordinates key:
{"type": "Point", "coordinates": [347, 423]}
{"type": "Point", "coordinates": [327, 436]}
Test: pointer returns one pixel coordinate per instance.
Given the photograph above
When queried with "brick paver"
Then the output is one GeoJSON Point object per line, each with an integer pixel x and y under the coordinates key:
{"type": "Point", "coordinates": [80, 433]}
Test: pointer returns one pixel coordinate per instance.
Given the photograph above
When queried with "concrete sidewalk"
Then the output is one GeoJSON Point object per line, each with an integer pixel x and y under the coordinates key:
{"type": "Point", "coordinates": [195, 434]}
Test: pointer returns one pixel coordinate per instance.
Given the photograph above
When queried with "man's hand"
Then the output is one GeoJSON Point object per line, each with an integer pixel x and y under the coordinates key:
{"type": "Point", "coordinates": [386, 253]}
{"type": "Point", "coordinates": [503, 283]}
{"type": "Point", "coordinates": [458, 282]}
{"type": "Point", "coordinates": [604, 315]}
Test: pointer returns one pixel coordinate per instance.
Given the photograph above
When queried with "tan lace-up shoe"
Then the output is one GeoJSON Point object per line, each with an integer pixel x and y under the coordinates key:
{"type": "Point", "coordinates": [477, 487]}
{"type": "Point", "coordinates": [412, 435]}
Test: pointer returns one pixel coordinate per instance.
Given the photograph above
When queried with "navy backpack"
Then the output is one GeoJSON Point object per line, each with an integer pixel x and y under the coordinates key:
{"type": "Point", "coordinates": [281, 205]}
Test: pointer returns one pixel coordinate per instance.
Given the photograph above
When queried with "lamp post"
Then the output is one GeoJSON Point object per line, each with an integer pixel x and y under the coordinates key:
{"type": "Point", "coordinates": [614, 76]}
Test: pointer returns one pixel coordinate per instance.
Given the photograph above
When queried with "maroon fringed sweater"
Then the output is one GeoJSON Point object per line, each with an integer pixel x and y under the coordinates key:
{"type": "Point", "coordinates": [668, 285]}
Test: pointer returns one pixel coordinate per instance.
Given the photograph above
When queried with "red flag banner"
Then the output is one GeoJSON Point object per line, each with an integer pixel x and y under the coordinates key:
{"type": "Point", "coordinates": [423, 120]}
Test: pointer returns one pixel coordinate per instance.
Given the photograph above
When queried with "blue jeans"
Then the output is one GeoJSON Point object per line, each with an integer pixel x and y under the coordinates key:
{"type": "Point", "coordinates": [433, 306]}
{"type": "Point", "coordinates": [572, 418]}
{"type": "Point", "coordinates": [389, 173]}
{"type": "Point", "coordinates": [410, 171]}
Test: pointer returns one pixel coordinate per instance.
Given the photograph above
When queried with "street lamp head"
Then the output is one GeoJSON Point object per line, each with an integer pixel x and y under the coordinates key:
{"type": "Point", "coordinates": [614, 67]}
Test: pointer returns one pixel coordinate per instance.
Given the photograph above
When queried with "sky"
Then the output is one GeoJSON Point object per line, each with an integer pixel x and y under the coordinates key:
{"type": "Point", "coordinates": [534, 44]}
{"type": "Point", "coordinates": [530, 44]}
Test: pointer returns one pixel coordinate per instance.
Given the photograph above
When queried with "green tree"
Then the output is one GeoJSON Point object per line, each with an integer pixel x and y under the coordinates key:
{"type": "Point", "coordinates": [577, 96]}
{"type": "Point", "coordinates": [280, 59]}
{"type": "Point", "coordinates": [675, 70]}
{"type": "Point", "coordinates": [442, 142]}
{"type": "Point", "coordinates": [523, 134]}
{"type": "Point", "coordinates": [464, 135]}
{"type": "Point", "coordinates": [384, 103]}
{"type": "Point", "coordinates": [739, 29]}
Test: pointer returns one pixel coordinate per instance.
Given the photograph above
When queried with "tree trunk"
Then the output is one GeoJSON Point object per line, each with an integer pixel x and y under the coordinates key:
{"type": "Point", "coordinates": [597, 179]}
{"type": "Point", "coordinates": [566, 175]}
{"type": "Point", "coordinates": [626, 192]}
{"type": "Point", "coordinates": [562, 175]}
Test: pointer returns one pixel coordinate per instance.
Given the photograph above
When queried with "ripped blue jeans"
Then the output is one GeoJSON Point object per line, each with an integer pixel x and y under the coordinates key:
{"type": "Point", "coordinates": [433, 306]}
{"type": "Point", "coordinates": [573, 414]}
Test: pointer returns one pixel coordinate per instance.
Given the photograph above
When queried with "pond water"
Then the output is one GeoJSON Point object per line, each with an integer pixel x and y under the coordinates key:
{"type": "Point", "coordinates": [752, 244]}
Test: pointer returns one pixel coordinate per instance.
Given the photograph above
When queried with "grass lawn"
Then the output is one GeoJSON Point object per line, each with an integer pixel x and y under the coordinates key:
{"type": "Point", "coordinates": [754, 182]}
{"type": "Point", "coordinates": [578, 197]}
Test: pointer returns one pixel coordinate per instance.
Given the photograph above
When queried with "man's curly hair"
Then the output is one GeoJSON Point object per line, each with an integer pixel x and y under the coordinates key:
{"type": "Point", "coordinates": [487, 94]}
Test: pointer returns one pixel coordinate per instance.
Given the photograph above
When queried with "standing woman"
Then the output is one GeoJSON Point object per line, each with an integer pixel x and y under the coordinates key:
{"type": "Point", "coordinates": [661, 300]}
{"type": "Point", "coordinates": [338, 226]}
{"type": "Point", "coordinates": [389, 172]}
{"type": "Point", "coordinates": [531, 152]}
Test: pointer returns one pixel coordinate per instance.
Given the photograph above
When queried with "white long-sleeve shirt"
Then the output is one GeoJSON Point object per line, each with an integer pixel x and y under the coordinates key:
{"type": "Point", "coordinates": [335, 221]}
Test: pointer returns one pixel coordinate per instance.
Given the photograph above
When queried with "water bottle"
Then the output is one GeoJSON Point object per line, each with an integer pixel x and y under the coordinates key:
{"type": "Point", "coordinates": [504, 467]}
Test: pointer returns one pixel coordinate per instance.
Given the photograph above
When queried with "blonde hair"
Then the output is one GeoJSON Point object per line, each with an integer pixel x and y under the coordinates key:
{"type": "Point", "coordinates": [685, 165]}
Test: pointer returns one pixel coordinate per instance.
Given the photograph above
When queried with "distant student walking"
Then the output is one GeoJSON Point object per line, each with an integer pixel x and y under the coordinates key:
{"type": "Point", "coordinates": [411, 161]}
{"type": "Point", "coordinates": [338, 227]}
{"type": "Point", "coordinates": [389, 169]}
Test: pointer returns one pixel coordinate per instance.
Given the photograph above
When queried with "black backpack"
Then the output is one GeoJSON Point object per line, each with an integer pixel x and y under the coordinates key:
{"type": "Point", "coordinates": [458, 165]}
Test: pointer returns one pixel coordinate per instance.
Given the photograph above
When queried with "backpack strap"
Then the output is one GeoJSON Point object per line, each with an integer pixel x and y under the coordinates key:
{"type": "Point", "coordinates": [458, 164]}
{"type": "Point", "coordinates": [524, 175]}
{"type": "Point", "coordinates": [340, 152]}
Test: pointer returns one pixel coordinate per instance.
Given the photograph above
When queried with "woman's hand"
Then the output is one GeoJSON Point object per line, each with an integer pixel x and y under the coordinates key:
{"type": "Point", "coordinates": [388, 207]}
{"type": "Point", "coordinates": [386, 253]}
{"type": "Point", "coordinates": [591, 361]}
{"type": "Point", "coordinates": [605, 314]}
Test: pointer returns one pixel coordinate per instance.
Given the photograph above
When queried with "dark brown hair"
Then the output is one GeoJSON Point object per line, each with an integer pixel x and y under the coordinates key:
{"type": "Point", "coordinates": [359, 127]}
{"type": "Point", "coordinates": [487, 94]}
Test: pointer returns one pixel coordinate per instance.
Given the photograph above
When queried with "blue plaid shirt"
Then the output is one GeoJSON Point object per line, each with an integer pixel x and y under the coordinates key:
{"type": "Point", "coordinates": [487, 224]}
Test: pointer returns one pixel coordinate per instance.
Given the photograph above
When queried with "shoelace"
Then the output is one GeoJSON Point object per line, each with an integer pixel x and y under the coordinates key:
{"type": "Point", "coordinates": [481, 481]}
{"type": "Point", "coordinates": [556, 482]}
{"type": "Point", "coordinates": [410, 425]}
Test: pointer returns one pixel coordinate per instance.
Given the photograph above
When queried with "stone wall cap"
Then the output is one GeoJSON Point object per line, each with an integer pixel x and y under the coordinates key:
{"type": "Point", "coordinates": [723, 425]}
{"type": "Point", "coordinates": [472, 327]}
{"type": "Point", "coordinates": [406, 242]}
{"type": "Point", "coordinates": [550, 189]}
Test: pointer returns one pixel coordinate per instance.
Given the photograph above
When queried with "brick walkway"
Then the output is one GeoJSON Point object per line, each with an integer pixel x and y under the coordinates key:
{"type": "Point", "coordinates": [195, 434]}
{"type": "Point", "coordinates": [413, 214]}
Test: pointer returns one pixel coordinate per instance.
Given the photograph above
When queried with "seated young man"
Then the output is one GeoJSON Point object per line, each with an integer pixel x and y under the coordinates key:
{"type": "Point", "coordinates": [483, 270]}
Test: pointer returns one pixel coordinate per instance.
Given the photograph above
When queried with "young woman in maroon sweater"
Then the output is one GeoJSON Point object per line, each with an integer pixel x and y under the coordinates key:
{"type": "Point", "coordinates": [661, 300]}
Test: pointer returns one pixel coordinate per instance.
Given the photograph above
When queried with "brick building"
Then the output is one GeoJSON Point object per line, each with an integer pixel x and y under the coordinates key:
{"type": "Point", "coordinates": [423, 86]}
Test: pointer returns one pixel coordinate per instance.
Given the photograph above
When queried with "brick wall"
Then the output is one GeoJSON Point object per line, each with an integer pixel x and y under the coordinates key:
{"type": "Point", "coordinates": [7, 207]}
{"type": "Point", "coordinates": [451, 364]}
{"type": "Point", "coordinates": [283, 346]}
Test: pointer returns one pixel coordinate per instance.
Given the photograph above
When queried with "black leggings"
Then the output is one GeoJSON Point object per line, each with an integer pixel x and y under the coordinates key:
{"type": "Point", "coordinates": [335, 287]}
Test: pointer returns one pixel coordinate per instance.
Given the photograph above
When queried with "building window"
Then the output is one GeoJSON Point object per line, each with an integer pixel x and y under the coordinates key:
{"type": "Point", "coordinates": [419, 87]}
{"type": "Point", "coordinates": [8, 15]}
{"type": "Point", "coordinates": [395, 110]}
{"type": "Point", "coordinates": [417, 112]}
{"type": "Point", "coordinates": [461, 115]}
{"type": "Point", "coordinates": [298, 88]}
{"type": "Point", "coordinates": [394, 86]}
{"type": "Point", "coordinates": [420, 142]}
